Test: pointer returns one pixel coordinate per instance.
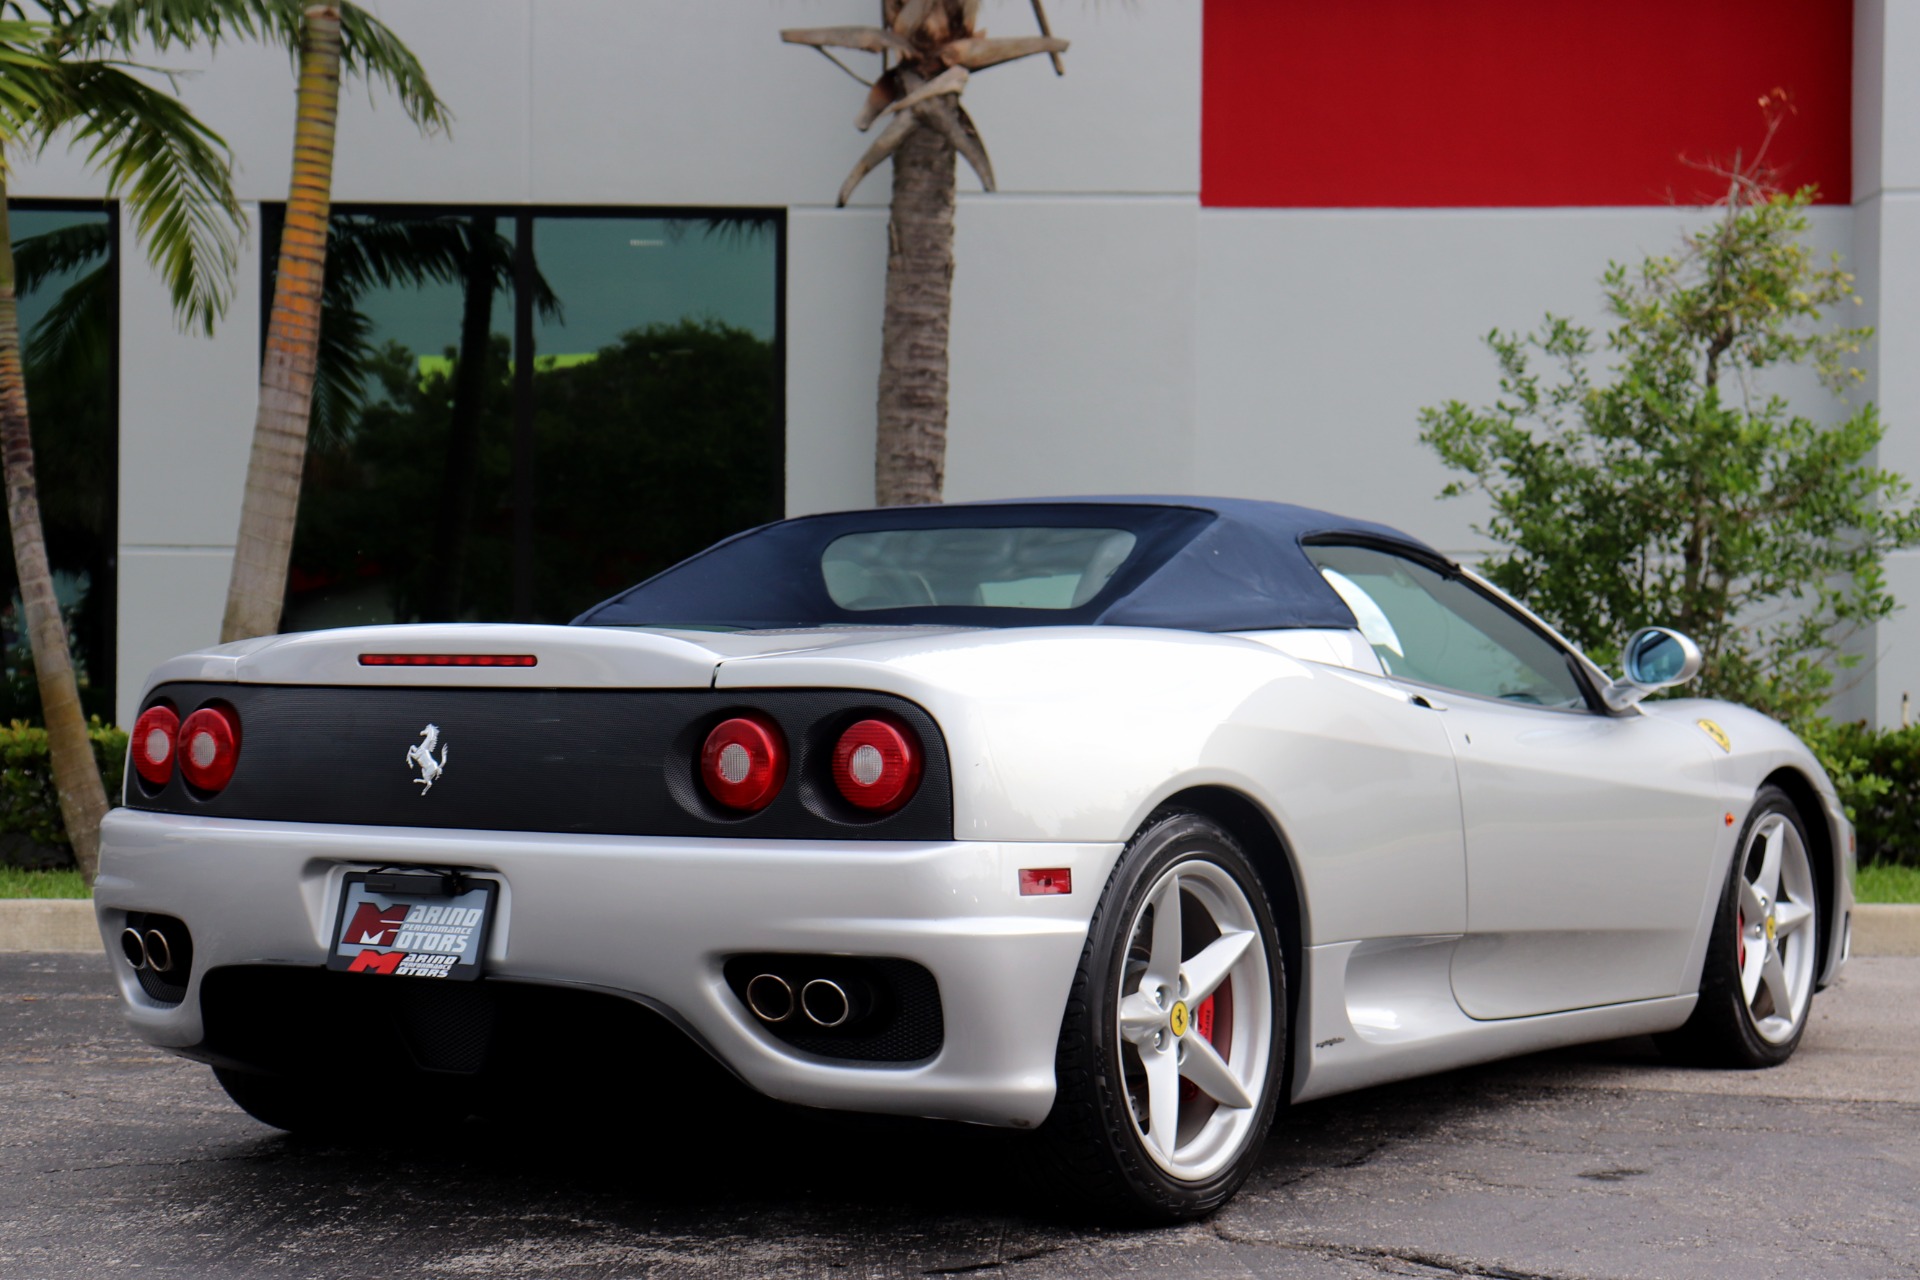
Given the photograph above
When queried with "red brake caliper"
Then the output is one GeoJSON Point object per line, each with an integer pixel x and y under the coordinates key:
{"type": "Point", "coordinates": [1203, 1023]}
{"type": "Point", "coordinates": [1742, 935]}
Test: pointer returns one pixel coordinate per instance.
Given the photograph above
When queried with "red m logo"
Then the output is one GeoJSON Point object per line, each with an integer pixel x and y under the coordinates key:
{"type": "Point", "coordinates": [374, 962]}
{"type": "Point", "coordinates": [372, 927]}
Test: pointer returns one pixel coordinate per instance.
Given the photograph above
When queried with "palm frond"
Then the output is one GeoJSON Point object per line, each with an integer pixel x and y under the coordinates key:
{"type": "Point", "coordinates": [734, 230]}
{"type": "Point", "coordinates": [169, 169]}
{"type": "Point", "coordinates": [340, 375]}
{"type": "Point", "coordinates": [58, 252]}
{"type": "Point", "coordinates": [364, 252]}
{"type": "Point", "coordinates": [883, 146]}
{"type": "Point", "coordinates": [172, 171]}
{"type": "Point", "coordinates": [367, 47]}
{"type": "Point", "coordinates": [28, 81]}
{"type": "Point", "coordinates": [863, 39]}
{"type": "Point", "coordinates": [980, 52]}
{"type": "Point", "coordinates": [74, 339]}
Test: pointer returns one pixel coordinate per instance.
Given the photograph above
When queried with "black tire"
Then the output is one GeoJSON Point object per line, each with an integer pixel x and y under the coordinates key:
{"type": "Point", "coordinates": [1724, 1030]}
{"type": "Point", "coordinates": [1095, 1150]}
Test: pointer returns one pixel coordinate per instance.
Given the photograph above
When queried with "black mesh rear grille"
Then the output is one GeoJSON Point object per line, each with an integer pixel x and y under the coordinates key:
{"type": "Point", "coordinates": [903, 1024]}
{"type": "Point", "coordinates": [447, 1026]}
{"type": "Point", "coordinates": [592, 761]}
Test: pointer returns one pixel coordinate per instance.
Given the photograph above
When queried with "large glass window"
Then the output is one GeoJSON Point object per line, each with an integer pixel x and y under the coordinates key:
{"type": "Point", "coordinates": [66, 266]}
{"type": "Point", "coordinates": [1441, 631]}
{"type": "Point", "coordinates": [1050, 568]}
{"type": "Point", "coordinates": [522, 412]}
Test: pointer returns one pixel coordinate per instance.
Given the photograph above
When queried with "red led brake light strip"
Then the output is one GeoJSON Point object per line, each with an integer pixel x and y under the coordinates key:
{"type": "Point", "coordinates": [448, 660]}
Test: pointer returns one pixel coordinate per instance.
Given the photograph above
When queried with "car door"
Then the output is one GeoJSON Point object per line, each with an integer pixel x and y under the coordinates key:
{"type": "Point", "coordinates": [1588, 834]}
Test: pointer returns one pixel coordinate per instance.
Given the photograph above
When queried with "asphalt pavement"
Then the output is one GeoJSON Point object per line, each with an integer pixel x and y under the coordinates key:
{"type": "Point", "coordinates": [1596, 1162]}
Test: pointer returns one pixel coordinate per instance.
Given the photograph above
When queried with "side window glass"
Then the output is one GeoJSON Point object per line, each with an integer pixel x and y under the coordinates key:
{"type": "Point", "coordinates": [1443, 632]}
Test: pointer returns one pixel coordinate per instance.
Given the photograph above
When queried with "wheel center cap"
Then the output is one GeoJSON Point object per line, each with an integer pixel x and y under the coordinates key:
{"type": "Point", "coordinates": [1770, 927]}
{"type": "Point", "coordinates": [1177, 1020]}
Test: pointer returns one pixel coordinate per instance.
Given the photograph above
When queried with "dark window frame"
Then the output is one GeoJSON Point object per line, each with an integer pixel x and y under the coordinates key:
{"type": "Point", "coordinates": [526, 488]}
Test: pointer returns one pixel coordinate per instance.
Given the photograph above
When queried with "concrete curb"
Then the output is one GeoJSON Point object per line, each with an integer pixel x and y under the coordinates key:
{"type": "Point", "coordinates": [66, 924]}
{"type": "Point", "coordinates": [1886, 929]}
{"type": "Point", "coordinates": [48, 924]}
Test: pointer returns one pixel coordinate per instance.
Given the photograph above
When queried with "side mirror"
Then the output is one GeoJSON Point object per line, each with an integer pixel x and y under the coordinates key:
{"type": "Point", "coordinates": [1656, 658]}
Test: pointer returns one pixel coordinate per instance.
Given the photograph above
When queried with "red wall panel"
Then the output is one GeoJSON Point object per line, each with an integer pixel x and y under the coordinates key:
{"type": "Point", "coordinates": [1428, 103]}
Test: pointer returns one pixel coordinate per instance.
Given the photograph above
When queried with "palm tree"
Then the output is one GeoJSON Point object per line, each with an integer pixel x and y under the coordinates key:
{"type": "Point", "coordinates": [172, 173]}
{"type": "Point", "coordinates": [327, 39]}
{"type": "Point", "coordinates": [264, 546]}
{"type": "Point", "coordinates": [928, 49]}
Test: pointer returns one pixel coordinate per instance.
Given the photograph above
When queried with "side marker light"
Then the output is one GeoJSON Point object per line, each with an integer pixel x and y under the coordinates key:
{"type": "Point", "coordinates": [1042, 880]}
{"type": "Point", "coordinates": [1729, 819]}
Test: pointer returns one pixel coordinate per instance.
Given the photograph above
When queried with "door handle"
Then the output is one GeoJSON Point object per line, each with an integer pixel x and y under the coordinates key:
{"type": "Point", "coordinates": [1422, 700]}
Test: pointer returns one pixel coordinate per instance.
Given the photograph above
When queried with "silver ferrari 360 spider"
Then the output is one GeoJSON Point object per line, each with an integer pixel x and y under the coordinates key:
{"type": "Point", "coordinates": [1123, 820]}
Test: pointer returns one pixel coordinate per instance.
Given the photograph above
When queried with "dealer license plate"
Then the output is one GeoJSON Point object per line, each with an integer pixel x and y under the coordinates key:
{"type": "Point", "coordinates": [412, 925]}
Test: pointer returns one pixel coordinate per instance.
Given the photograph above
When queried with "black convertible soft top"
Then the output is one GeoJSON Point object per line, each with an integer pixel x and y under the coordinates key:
{"type": "Point", "coordinates": [1197, 564]}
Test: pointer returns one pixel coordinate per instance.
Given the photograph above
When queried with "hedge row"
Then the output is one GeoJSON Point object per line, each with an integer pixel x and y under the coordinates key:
{"type": "Point", "coordinates": [29, 805]}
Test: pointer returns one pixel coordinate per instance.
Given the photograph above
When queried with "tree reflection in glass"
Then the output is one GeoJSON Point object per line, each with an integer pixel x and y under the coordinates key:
{"type": "Point", "coordinates": [655, 411]}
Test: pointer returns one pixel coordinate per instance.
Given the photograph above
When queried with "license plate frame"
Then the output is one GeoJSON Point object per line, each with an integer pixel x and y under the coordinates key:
{"type": "Point", "coordinates": [386, 909]}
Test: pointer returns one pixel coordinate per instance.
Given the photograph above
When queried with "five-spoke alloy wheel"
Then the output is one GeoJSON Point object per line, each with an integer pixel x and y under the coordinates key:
{"type": "Point", "coordinates": [1171, 1049]}
{"type": "Point", "coordinates": [1763, 958]}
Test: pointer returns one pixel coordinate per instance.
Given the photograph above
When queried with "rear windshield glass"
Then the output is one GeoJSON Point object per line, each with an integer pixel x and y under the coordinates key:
{"type": "Point", "coordinates": [1019, 568]}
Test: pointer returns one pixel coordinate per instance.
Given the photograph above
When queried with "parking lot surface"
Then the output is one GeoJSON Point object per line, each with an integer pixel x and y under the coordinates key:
{"type": "Point", "coordinates": [1595, 1162]}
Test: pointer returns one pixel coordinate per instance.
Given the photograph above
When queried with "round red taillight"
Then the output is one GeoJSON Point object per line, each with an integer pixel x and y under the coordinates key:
{"type": "Point", "coordinates": [154, 736]}
{"type": "Point", "coordinates": [744, 762]}
{"type": "Point", "coordinates": [209, 747]}
{"type": "Point", "coordinates": [876, 765]}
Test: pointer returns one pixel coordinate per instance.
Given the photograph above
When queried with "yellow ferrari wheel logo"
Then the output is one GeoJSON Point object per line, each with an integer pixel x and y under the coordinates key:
{"type": "Point", "coordinates": [1770, 929]}
{"type": "Point", "coordinates": [1178, 1020]}
{"type": "Point", "coordinates": [1715, 732]}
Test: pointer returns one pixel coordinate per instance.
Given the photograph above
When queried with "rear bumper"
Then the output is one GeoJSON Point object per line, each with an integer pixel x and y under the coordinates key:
{"type": "Point", "coordinates": [654, 920]}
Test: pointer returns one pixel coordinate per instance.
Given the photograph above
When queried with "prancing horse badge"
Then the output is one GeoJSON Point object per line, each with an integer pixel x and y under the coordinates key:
{"type": "Point", "coordinates": [420, 756]}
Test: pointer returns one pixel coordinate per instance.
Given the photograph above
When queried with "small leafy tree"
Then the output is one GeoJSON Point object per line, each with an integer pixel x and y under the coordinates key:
{"type": "Point", "coordinates": [1677, 486]}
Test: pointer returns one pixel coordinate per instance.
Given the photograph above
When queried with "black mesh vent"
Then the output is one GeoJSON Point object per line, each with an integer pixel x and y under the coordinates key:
{"type": "Point", "coordinates": [901, 1019]}
{"type": "Point", "coordinates": [447, 1026]}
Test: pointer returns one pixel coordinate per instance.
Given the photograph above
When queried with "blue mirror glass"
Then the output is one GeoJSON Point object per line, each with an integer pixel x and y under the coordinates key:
{"type": "Point", "coordinates": [1657, 658]}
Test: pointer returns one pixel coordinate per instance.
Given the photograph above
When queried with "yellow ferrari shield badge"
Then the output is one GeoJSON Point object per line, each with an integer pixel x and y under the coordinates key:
{"type": "Point", "coordinates": [1715, 732]}
{"type": "Point", "coordinates": [1771, 927]}
{"type": "Point", "coordinates": [1178, 1020]}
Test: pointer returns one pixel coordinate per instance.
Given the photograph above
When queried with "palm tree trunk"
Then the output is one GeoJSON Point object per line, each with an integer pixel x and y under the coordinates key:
{"type": "Point", "coordinates": [258, 586]}
{"type": "Point", "coordinates": [76, 774]}
{"type": "Point", "coordinates": [910, 455]}
{"type": "Point", "coordinates": [462, 471]}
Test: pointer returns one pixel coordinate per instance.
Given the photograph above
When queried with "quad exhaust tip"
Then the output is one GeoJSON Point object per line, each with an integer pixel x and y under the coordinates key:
{"type": "Point", "coordinates": [159, 954]}
{"type": "Point", "coordinates": [134, 948]}
{"type": "Point", "coordinates": [770, 996]}
{"type": "Point", "coordinates": [825, 1003]}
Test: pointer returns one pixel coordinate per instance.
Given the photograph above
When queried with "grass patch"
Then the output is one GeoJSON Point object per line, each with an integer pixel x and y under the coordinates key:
{"type": "Point", "coordinates": [1888, 883]}
{"type": "Point", "coordinates": [15, 883]}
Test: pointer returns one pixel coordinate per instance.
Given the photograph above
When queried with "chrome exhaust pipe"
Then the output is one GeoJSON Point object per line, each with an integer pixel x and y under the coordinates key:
{"type": "Point", "coordinates": [825, 1003]}
{"type": "Point", "coordinates": [770, 996]}
{"type": "Point", "coordinates": [133, 948]}
{"type": "Point", "coordinates": [159, 954]}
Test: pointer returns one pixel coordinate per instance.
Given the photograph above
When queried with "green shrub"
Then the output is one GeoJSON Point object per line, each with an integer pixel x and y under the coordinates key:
{"type": "Point", "coordinates": [29, 805]}
{"type": "Point", "coordinates": [1878, 778]}
{"type": "Point", "coordinates": [1643, 477]}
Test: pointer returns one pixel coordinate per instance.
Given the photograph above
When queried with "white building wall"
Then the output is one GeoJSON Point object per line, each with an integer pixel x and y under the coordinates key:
{"type": "Point", "coordinates": [1886, 260]}
{"type": "Point", "coordinates": [1109, 335]}
{"type": "Point", "coordinates": [1324, 332]}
